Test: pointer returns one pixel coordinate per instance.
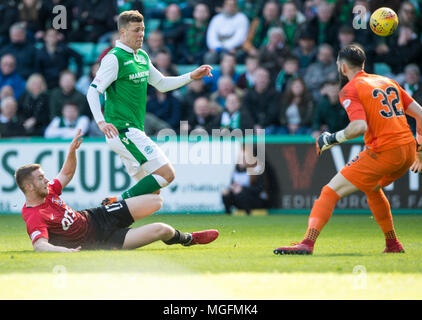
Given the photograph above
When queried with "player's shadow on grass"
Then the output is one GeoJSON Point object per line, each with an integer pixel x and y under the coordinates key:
{"type": "Point", "coordinates": [344, 254]}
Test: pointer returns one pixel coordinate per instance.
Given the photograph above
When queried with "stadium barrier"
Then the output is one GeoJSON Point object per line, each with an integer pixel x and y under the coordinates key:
{"type": "Point", "coordinates": [297, 174]}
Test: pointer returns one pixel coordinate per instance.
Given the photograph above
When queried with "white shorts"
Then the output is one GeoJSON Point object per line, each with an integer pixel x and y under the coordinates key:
{"type": "Point", "coordinates": [140, 155]}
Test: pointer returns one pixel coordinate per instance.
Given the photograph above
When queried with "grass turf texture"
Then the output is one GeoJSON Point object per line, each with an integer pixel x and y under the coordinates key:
{"type": "Point", "coordinates": [347, 263]}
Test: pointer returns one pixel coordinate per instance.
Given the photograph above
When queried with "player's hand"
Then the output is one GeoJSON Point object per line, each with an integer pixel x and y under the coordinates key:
{"type": "Point", "coordinates": [108, 129]}
{"type": "Point", "coordinates": [77, 140]}
{"type": "Point", "coordinates": [202, 71]}
{"type": "Point", "coordinates": [417, 165]}
{"type": "Point", "coordinates": [324, 142]}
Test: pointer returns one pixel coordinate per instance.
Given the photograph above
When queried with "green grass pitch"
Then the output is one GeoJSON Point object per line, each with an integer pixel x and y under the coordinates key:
{"type": "Point", "coordinates": [347, 263]}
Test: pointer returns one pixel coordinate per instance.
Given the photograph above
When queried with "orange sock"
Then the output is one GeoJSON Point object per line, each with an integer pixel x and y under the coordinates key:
{"type": "Point", "coordinates": [321, 212]}
{"type": "Point", "coordinates": [380, 207]}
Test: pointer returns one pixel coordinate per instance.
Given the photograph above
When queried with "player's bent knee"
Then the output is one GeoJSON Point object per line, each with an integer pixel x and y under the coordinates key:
{"type": "Point", "coordinates": [163, 230]}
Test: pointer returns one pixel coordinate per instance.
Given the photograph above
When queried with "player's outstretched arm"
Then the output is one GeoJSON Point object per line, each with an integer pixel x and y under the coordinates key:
{"type": "Point", "coordinates": [42, 245]}
{"type": "Point", "coordinates": [69, 167]}
{"type": "Point", "coordinates": [415, 110]}
{"type": "Point", "coordinates": [326, 140]}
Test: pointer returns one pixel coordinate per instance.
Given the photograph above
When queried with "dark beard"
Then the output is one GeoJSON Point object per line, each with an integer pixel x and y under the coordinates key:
{"type": "Point", "coordinates": [343, 80]}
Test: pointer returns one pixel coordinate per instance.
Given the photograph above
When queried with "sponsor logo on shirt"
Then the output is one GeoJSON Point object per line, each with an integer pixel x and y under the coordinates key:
{"type": "Point", "coordinates": [346, 103]}
{"type": "Point", "coordinates": [138, 75]}
{"type": "Point", "coordinates": [34, 234]}
{"type": "Point", "coordinates": [57, 202]}
{"type": "Point", "coordinates": [148, 149]}
{"type": "Point", "coordinates": [128, 62]}
{"type": "Point", "coordinates": [125, 140]}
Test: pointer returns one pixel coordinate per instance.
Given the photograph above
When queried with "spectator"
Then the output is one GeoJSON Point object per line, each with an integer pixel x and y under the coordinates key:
{"type": "Point", "coordinates": [196, 36]}
{"type": "Point", "coordinates": [346, 36]}
{"type": "Point", "coordinates": [166, 107]}
{"type": "Point", "coordinates": [365, 37]}
{"type": "Point", "coordinates": [323, 26]}
{"type": "Point", "coordinates": [33, 109]}
{"type": "Point", "coordinates": [293, 23]}
{"type": "Point", "coordinates": [329, 114]}
{"type": "Point", "coordinates": [173, 29]}
{"type": "Point", "coordinates": [246, 191]}
{"type": "Point", "coordinates": [296, 109]}
{"type": "Point", "coordinates": [154, 44]}
{"type": "Point", "coordinates": [10, 126]}
{"type": "Point", "coordinates": [54, 57]}
{"type": "Point", "coordinates": [202, 118]}
{"type": "Point", "coordinates": [306, 52]}
{"type": "Point", "coordinates": [68, 123]}
{"type": "Point", "coordinates": [226, 33]}
{"type": "Point", "coordinates": [9, 14]}
{"type": "Point", "coordinates": [258, 30]}
{"type": "Point", "coordinates": [272, 55]}
{"type": "Point", "coordinates": [195, 89]}
{"type": "Point", "coordinates": [85, 81]}
{"type": "Point", "coordinates": [226, 86]}
{"type": "Point", "coordinates": [252, 8]}
{"type": "Point", "coordinates": [246, 79]}
{"type": "Point", "coordinates": [227, 68]}
{"type": "Point", "coordinates": [163, 63]}
{"type": "Point", "coordinates": [404, 48]}
{"type": "Point", "coordinates": [67, 92]}
{"type": "Point", "coordinates": [262, 101]}
{"type": "Point", "coordinates": [407, 15]}
{"type": "Point", "coordinates": [21, 48]}
{"type": "Point", "coordinates": [234, 116]}
{"type": "Point", "coordinates": [94, 20]}
{"type": "Point", "coordinates": [290, 71]}
{"type": "Point", "coordinates": [48, 15]}
{"type": "Point", "coordinates": [9, 75]}
{"type": "Point", "coordinates": [324, 69]}
{"type": "Point", "coordinates": [413, 86]}
{"type": "Point", "coordinates": [31, 15]}
{"type": "Point", "coordinates": [114, 36]}
{"type": "Point", "coordinates": [6, 91]}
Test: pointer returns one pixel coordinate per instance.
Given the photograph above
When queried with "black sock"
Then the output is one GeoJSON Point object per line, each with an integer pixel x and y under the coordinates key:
{"type": "Point", "coordinates": [179, 237]}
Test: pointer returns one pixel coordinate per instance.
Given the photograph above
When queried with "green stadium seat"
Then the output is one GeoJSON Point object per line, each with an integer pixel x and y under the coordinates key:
{"type": "Point", "coordinates": [86, 49]}
{"type": "Point", "coordinates": [382, 69]}
{"type": "Point", "coordinates": [99, 48]}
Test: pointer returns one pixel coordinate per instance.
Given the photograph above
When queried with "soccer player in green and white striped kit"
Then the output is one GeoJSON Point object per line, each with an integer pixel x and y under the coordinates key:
{"type": "Point", "coordinates": [123, 76]}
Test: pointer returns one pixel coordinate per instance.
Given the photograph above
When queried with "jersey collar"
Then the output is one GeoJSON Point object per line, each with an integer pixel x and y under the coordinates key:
{"type": "Point", "coordinates": [121, 45]}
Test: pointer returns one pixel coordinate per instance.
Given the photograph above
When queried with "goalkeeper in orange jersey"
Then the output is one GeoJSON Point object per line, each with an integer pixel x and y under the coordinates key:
{"type": "Point", "coordinates": [377, 107]}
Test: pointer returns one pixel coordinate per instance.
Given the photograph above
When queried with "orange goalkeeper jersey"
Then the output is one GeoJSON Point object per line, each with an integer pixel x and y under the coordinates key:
{"type": "Point", "coordinates": [382, 103]}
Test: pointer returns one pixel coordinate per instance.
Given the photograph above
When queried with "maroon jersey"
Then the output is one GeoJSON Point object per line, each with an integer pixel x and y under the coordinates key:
{"type": "Point", "coordinates": [56, 221]}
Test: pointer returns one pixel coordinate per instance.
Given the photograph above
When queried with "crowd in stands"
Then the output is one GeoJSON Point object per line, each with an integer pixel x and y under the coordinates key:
{"type": "Point", "coordinates": [274, 62]}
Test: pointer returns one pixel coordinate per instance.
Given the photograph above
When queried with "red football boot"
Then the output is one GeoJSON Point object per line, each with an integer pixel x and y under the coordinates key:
{"type": "Point", "coordinates": [393, 246]}
{"type": "Point", "coordinates": [203, 237]}
{"type": "Point", "coordinates": [305, 247]}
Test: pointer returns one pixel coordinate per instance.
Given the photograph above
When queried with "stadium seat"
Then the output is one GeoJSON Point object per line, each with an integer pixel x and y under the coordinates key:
{"type": "Point", "coordinates": [382, 69]}
{"type": "Point", "coordinates": [86, 49]}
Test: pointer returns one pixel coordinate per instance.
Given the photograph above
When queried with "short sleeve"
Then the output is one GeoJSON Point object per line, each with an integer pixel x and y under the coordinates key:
{"type": "Point", "coordinates": [350, 101]}
{"type": "Point", "coordinates": [107, 73]}
{"type": "Point", "coordinates": [36, 229]}
{"type": "Point", "coordinates": [55, 187]}
{"type": "Point", "coordinates": [406, 98]}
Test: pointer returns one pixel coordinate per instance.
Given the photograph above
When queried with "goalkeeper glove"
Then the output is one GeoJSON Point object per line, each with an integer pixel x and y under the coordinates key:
{"type": "Point", "coordinates": [326, 140]}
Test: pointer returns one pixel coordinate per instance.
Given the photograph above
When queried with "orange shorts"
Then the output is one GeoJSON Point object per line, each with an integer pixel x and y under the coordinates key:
{"type": "Point", "coordinates": [369, 169]}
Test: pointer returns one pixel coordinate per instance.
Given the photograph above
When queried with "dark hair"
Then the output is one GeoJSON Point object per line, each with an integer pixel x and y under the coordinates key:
{"type": "Point", "coordinates": [25, 172]}
{"type": "Point", "coordinates": [353, 54]}
{"type": "Point", "coordinates": [129, 16]}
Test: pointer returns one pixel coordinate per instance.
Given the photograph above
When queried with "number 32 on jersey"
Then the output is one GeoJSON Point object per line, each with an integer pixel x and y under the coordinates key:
{"type": "Point", "coordinates": [393, 106]}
